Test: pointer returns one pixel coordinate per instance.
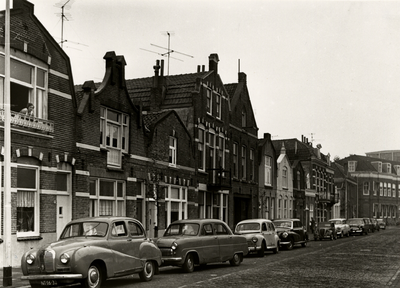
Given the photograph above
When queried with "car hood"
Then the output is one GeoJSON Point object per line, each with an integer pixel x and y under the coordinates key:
{"type": "Point", "coordinates": [281, 229]}
{"type": "Point", "coordinates": [68, 244]}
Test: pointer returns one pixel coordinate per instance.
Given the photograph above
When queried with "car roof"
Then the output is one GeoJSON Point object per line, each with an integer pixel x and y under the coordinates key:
{"type": "Point", "coordinates": [199, 221]}
{"type": "Point", "coordinates": [288, 219]}
{"type": "Point", "coordinates": [108, 219]}
{"type": "Point", "coordinates": [337, 219]}
{"type": "Point", "coordinates": [258, 220]}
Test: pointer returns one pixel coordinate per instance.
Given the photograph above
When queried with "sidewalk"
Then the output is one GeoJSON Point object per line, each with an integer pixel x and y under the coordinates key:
{"type": "Point", "coordinates": [16, 278]}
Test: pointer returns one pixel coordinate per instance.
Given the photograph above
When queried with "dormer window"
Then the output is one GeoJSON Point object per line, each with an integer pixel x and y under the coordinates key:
{"type": "Point", "coordinates": [114, 135]}
{"type": "Point", "coordinates": [352, 166]}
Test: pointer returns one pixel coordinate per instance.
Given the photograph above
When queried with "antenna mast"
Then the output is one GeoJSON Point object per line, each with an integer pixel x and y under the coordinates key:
{"type": "Point", "coordinates": [63, 16]}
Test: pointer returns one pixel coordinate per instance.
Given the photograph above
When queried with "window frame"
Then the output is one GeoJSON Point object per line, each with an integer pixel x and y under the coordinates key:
{"type": "Point", "coordinates": [201, 146]}
{"type": "Point", "coordinates": [267, 170]}
{"type": "Point", "coordinates": [172, 151]}
{"type": "Point", "coordinates": [118, 202]}
{"type": "Point", "coordinates": [235, 159]}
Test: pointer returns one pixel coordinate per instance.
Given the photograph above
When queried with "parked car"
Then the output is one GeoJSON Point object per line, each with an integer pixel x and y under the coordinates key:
{"type": "Point", "coordinates": [191, 242]}
{"type": "Point", "coordinates": [376, 224]}
{"type": "Point", "coordinates": [368, 223]}
{"type": "Point", "coordinates": [260, 234]}
{"type": "Point", "coordinates": [358, 225]}
{"type": "Point", "coordinates": [382, 223]}
{"type": "Point", "coordinates": [325, 230]}
{"type": "Point", "coordinates": [90, 250]}
{"type": "Point", "coordinates": [342, 228]}
{"type": "Point", "coordinates": [291, 232]}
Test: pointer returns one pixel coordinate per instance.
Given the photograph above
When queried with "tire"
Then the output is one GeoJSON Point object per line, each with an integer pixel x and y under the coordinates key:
{"type": "Point", "coordinates": [290, 245]}
{"type": "Point", "coordinates": [95, 277]}
{"type": "Point", "coordinates": [260, 253]}
{"type": "Point", "coordinates": [276, 250]}
{"type": "Point", "coordinates": [188, 265]}
{"type": "Point", "coordinates": [235, 261]}
{"type": "Point", "coordinates": [148, 271]}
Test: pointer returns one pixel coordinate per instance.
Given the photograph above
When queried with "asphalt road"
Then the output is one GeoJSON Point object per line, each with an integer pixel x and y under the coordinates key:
{"type": "Point", "coordinates": [358, 261]}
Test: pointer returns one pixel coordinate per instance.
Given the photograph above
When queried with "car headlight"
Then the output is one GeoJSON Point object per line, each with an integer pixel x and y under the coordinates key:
{"type": "Point", "coordinates": [30, 259]}
{"type": "Point", "coordinates": [284, 234]}
{"type": "Point", "coordinates": [254, 239]}
{"type": "Point", "coordinates": [64, 258]}
{"type": "Point", "coordinates": [174, 247]}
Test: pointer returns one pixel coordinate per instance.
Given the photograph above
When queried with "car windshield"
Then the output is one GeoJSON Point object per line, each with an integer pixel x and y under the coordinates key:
{"type": "Point", "coordinates": [246, 227]}
{"type": "Point", "coordinates": [336, 221]}
{"type": "Point", "coordinates": [85, 229]}
{"type": "Point", "coordinates": [355, 221]}
{"type": "Point", "coordinates": [181, 229]}
{"type": "Point", "coordinates": [325, 224]}
{"type": "Point", "coordinates": [284, 224]}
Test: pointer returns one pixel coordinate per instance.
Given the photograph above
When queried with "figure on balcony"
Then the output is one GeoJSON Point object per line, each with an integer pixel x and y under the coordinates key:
{"type": "Point", "coordinates": [28, 110]}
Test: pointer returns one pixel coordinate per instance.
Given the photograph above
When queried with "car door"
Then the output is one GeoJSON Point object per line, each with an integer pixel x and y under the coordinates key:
{"type": "Point", "coordinates": [298, 229]}
{"type": "Point", "coordinates": [120, 243]}
{"type": "Point", "coordinates": [266, 233]}
{"type": "Point", "coordinates": [137, 236]}
{"type": "Point", "coordinates": [272, 234]}
{"type": "Point", "coordinates": [209, 245]}
{"type": "Point", "coordinates": [225, 241]}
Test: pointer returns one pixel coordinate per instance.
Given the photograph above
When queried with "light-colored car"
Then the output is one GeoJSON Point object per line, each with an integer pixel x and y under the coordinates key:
{"type": "Point", "coordinates": [260, 234]}
{"type": "Point", "coordinates": [342, 228]}
{"type": "Point", "coordinates": [382, 223]}
{"type": "Point", "coordinates": [291, 232]}
{"type": "Point", "coordinates": [191, 242]}
{"type": "Point", "coordinates": [90, 250]}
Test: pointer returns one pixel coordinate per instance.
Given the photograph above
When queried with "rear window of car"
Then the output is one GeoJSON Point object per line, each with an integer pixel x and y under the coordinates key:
{"type": "Point", "coordinates": [355, 221]}
{"type": "Point", "coordinates": [181, 229]}
{"type": "Point", "coordinates": [284, 224]}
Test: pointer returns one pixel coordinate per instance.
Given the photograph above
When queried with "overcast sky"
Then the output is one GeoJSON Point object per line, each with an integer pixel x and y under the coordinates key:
{"type": "Point", "coordinates": [328, 70]}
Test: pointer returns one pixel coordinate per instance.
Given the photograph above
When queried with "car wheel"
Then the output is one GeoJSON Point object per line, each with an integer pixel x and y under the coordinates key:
{"type": "Point", "coordinates": [261, 252]}
{"type": "Point", "coordinates": [188, 265]}
{"type": "Point", "coordinates": [148, 271]}
{"type": "Point", "coordinates": [290, 245]}
{"type": "Point", "coordinates": [235, 261]}
{"type": "Point", "coordinates": [276, 250]}
{"type": "Point", "coordinates": [94, 278]}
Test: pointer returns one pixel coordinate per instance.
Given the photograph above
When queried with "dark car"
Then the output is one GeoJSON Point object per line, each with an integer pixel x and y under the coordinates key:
{"type": "Point", "coordinates": [291, 232]}
{"type": "Point", "coordinates": [376, 224]}
{"type": "Point", "coordinates": [325, 230]}
{"type": "Point", "coordinates": [90, 250]}
{"type": "Point", "coordinates": [186, 243]}
{"type": "Point", "coordinates": [369, 224]}
{"type": "Point", "coordinates": [358, 225]}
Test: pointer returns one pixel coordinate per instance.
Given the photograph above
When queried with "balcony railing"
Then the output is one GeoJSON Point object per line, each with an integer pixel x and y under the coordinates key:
{"type": "Point", "coordinates": [22, 120]}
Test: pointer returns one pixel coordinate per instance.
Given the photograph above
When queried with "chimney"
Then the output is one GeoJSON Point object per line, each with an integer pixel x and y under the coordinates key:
{"type": "Point", "coordinates": [156, 70]}
{"type": "Point", "coordinates": [242, 77]}
{"type": "Point", "coordinates": [203, 68]}
{"type": "Point", "coordinates": [283, 149]}
{"type": "Point", "coordinates": [213, 63]}
{"type": "Point", "coordinates": [198, 68]}
{"type": "Point", "coordinates": [267, 136]}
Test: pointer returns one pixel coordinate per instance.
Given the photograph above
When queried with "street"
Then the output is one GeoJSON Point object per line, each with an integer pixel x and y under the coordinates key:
{"type": "Point", "coordinates": [357, 261]}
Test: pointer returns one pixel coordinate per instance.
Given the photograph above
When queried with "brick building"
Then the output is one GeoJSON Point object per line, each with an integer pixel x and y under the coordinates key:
{"type": "Point", "coordinates": [378, 189]}
{"type": "Point", "coordinates": [43, 143]}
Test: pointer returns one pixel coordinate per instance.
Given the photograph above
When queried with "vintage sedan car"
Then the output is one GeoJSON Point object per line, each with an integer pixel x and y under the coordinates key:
{"type": "Point", "coordinates": [91, 250]}
{"type": "Point", "coordinates": [382, 223]}
{"type": "Point", "coordinates": [376, 224]}
{"type": "Point", "coordinates": [325, 230]}
{"type": "Point", "coordinates": [342, 228]}
{"type": "Point", "coordinates": [191, 242]}
{"type": "Point", "coordinates": [260, 234]}
{"type": "Point", "coordinates": [368, 223]}
{"type": "Point", "coordinates": [358, 225]}
{"type": "Point", "coordinates": [291, 232]}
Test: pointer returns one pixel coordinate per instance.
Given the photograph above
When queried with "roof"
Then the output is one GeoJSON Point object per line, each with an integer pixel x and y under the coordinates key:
{"type": "Point", "coordinates": [258, 220]}
{"type": "Point", "coordinates": [364, 163]}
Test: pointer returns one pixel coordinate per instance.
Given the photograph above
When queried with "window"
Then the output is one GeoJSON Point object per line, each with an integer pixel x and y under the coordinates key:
{"type": "Point", "coordinates": [209, 101]}
{"type": "Point", "coordinates": [27, 201]}
{"type": "Point", "coordinates": [267, 170]}
{"type": "Point", "coordinates": [385, 189]}
{"type": "Point", "coordinates": [221, 151]}
{"type": "Point", "coordinates": [218, 105]}
{"type": "Point", "coordinates": [107, 197]}
{"type": "Point", "coordinates": [114, 135]}
{"type": "Point", "coordinates": [298, 179]}
{"type": "Point", "coordinates": [366, 188]}
{"type": "Point", "coordinates": [244, 118]}
{"type": "Point", "coordinates": [380, 188]}
{"type": "Point", "coordinates": [235, 160]}
{"type": "Point", "coordinates": [28, 85]}
{"type": "Point", "coordinates": [175, 204]}
{"type": "Point", "coordinates": [135, 230]}
{"type": "Point", "coordinates": [172, 151]}
{"type": "Point", "coordinates": [375, 186]}
{"type": "Point", "coordinates": [285, 208]}
{"type": "Point", "coordinates": [201, 148]}
{"type": "Point", "coordinates": [352, 166]}
{"type": "Point", "coordinates": [389, 190]}
{"type": "Point", "coordinates": [393, 190]}
{"type": "Point", "coordinates": [285, 177]}
{"type": "Point", "coordinates": [243, 170]}
{"type": "Point", "coordinates": [211, 146]}
{"type": "Point", "coordinates": [251, 164]}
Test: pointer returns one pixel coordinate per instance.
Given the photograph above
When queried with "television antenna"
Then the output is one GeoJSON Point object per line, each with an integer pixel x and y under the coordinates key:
{"type": "Point", "coordinates": [169, 50]}
{"type": "Point", "coordinates": [64, 5]}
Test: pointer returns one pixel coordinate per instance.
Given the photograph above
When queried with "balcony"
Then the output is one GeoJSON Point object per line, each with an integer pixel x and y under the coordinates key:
{"type": "Point", "coordinates": [219, 179]}
{"type": "Point", "coordinates": [30, 122]}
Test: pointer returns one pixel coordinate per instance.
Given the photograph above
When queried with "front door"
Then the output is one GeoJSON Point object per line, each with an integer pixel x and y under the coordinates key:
{"type": "Point", "coordinates": [63, 212]}
{"type": "Point", "coordinates": [151, 219]}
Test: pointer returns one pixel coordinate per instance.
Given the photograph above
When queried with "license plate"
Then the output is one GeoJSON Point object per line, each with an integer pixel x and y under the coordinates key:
{"type": "Point", "coordinates": [48, 282]}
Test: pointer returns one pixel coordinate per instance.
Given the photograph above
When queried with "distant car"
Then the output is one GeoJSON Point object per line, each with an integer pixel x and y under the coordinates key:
{"type": "Point", "coordinates": [382, 223]}
{"type": "Point", "coordinates": [325, 230]}
{"type": "Point", "coordinates": [342, 228]}
{"type": "Point", "coordinates": [90, 250]}
{"type": "Point", "coordinates": [191, 242]}
{"type": "Point", "coordinates": [358, 225]}
{"type": "Point", "coordinates": [291, 232]}
{"type": "Point", "coordinates": [369, 224]}
{"type": "Point", "coordinates": [376, 224]}
{"type": "Point", "coordinates": [260, 234]}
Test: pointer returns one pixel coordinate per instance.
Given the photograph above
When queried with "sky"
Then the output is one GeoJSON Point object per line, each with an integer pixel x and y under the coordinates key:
{"type": "Point", "coordinates": [328, 70]}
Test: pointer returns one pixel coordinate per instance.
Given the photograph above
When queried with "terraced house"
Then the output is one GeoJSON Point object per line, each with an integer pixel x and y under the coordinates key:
{"type": "Point", "coordinates": [42, 142]}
